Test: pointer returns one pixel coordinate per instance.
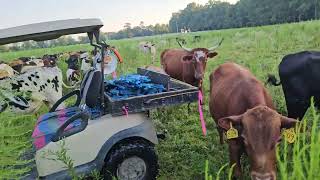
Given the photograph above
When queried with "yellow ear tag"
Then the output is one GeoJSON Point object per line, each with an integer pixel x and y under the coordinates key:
{"type": "Point", "coordinates": [232, 132]}
{"type": "Point", "coordinates": [289, 135]}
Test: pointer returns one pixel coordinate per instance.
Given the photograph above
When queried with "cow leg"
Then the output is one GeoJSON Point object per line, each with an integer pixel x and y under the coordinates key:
{"type": "Point", "coordinates": [297, 110]}
{"type": "Point", "coordinates": [297, 97]}
{"type": "Point", "coordinates": [297, 105]}
{"type": "Point", "coordinates": [235, 155]}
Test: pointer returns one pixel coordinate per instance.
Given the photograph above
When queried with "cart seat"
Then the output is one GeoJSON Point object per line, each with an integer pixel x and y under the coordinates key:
{"type": "Point", "coordinates": [55, 125]}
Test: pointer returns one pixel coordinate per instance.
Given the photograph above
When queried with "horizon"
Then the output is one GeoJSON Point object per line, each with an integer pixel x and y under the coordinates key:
{"type": "Point", "coordinates": [113, 18]}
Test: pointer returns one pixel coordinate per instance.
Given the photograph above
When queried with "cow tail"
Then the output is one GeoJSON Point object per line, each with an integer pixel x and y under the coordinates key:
{"type": "Point", "coordinates": [273, 80]}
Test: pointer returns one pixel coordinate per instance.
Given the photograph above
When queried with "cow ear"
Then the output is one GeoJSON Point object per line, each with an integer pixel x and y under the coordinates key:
{"type": "Point", "coordinates": [224, 123]}
{"type": "Point", "coordinates": [187, 58]}
{"type": "Point", "coordinates": [288, 122]}
{"type": "Point", "coordinates": [212, 54]}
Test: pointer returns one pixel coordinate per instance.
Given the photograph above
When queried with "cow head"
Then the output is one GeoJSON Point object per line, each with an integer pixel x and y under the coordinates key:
{"type": "Point", "coordinates": [85, 60]}
{"type": "Point", "coordinates": [259, 130]}
{"type": "Point", "coordinates": [50, 60]}
{"type": "Point", "coordinates": [73, 62]}
{"type": "Point", "coordinates": [198, 57]}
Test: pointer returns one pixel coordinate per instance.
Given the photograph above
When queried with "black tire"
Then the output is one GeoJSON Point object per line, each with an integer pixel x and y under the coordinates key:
{"type": "Point", "coordinates": [123, 151]}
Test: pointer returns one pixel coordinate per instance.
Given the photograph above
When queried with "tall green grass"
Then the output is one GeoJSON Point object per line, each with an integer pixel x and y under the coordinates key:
{"type": "Point", "coordinates": [301, 160]}
{"type": "Point", "coordinates": [183, 153]}
{"type": "Point", "coordinates": [15, 133]}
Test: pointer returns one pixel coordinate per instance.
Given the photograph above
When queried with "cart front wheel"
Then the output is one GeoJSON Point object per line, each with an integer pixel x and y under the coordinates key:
{"type": "Point", "coordinates": [131, 161]}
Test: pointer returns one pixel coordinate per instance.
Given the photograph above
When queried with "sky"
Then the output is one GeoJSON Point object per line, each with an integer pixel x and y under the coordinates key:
{"type": "Point", "coordinates": [113, 13]}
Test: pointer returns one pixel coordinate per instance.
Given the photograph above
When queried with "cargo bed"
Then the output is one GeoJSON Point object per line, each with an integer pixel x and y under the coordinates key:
{"type": "Point", "coordinates": [177, 92]}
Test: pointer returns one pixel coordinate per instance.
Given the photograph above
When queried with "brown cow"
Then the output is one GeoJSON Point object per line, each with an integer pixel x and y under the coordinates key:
{"type": "Point", "coordinates": [237, 97]}
{"type": "Point", "coordinates": [23, 64]}
{"type": "Point", "coordinates": [17, 65]}
{"type": "Point", "coordinates": [187, 65]}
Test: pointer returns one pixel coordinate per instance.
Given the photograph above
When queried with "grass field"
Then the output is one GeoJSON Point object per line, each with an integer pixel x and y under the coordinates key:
{"type": "Point", "coordinates": [184, 153]}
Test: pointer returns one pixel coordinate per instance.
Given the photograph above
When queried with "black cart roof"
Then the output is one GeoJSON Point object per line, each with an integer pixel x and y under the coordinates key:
{"type": "Point", "coordinates": [48, 30]}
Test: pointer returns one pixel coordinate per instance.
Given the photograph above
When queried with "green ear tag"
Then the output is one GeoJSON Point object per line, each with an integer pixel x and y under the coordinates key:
{"type": "Point", "coordinates": [289, 135]}
{"type": "Point", "coordinates": [232, 132]}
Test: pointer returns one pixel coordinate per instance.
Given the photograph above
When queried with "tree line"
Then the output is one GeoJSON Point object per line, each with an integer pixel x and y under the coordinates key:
{"type": "Point", "coordinates": [245, 13]}
{"type": "Point", "coordinates": [213, 15]}
{"type": "Point", "coordinates": [138, 31]}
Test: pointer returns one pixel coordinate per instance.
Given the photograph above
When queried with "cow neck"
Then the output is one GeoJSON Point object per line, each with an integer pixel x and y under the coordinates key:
{"type": "Point", "coordinates": [186, 70]}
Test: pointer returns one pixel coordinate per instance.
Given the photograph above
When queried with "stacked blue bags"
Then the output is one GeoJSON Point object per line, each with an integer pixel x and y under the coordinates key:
{"type": "Point", "coordinates": [132, 85]}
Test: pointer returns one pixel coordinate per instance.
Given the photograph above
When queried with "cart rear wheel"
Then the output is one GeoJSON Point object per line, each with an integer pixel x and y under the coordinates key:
{"type": "Point", "coordinates": [131, 161]}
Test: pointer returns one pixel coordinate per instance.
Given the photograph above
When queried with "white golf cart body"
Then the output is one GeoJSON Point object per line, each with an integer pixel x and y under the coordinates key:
{"type": "Point", "coordinates": [89, 147]}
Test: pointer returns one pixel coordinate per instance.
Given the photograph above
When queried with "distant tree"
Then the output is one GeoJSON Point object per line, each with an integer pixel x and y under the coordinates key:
{"type": "Point", "coordinates": [127, 26]}
{"type": "Point", "coordinates": [83, 39]}
{"type": "Point", "coordinates": [219, 15]}
{"type": "Point", "coordinates": [142, 25]}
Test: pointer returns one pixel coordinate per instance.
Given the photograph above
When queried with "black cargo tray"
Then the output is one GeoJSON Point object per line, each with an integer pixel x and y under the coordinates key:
{"type": "Point", "coordinates": [177, 93]}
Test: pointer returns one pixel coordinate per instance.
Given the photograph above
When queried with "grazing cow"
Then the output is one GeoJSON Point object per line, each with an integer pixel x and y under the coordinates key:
{"type": "Point", "coordinates": [148, 47]}
{"type": "Point", "coordinates": [237, 98]}
{"type": "Point", "coordinates": [6, 71]}
{"type": "Point", "coordinates": [186, 64]}
{"type": "Point", "coordinates": [73, 72]}
{"type": "Point", "coordinates": [185, 30]}
{"type": "Point", "coordinates": [196, 38]}
{"type": "Point", "coordinates": [181, 40]}
{"type": "Point", "coordinates": [24, 64]}
{"type": "Point", "coordinates": [38, 85]}
{"type": "Point", "coordinates": [299, 76]}
{"type": "Point", "coordinates": [73, 62]}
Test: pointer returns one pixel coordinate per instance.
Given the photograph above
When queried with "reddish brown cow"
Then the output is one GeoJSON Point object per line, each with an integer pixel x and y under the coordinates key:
{"type": "Point", "coordinates": [187, 65]}
{"type": "Point", "coordinates": [17, 65]}
{"type": "Point", "coordinates": [238, 98]}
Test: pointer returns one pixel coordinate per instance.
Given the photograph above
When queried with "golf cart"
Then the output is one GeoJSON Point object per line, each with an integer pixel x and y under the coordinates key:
{"type": "Point", "coordinates": [113, 136]}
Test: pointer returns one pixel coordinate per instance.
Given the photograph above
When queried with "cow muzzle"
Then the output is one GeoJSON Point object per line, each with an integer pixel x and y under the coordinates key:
{"type": "Point", "coordinates": [263, 176]}
{"type": "Point", "coordinates": [199, 76]}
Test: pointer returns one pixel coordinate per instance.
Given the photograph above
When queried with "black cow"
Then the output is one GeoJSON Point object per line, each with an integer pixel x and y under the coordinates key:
{"type": "Point", "coordinates": [196, 38]}
{"type": "Point", "coordinates": [300, 78]}
{"type": "Point", "coordinates": [181, 40]}
{"type": "Point", "coordinates": [73, 62]}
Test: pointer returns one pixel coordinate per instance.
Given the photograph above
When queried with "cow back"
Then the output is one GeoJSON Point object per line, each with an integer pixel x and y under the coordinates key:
{"type": "Point", "coordinates": [172, 63]}
{"type": "Point", "coordinates": [44, 84]}
{"type": "Point", "coordinates": [234, 90]}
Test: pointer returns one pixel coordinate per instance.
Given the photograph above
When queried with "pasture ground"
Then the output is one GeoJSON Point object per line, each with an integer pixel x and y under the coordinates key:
{"type": "Point", "coordinates": [184, 152]}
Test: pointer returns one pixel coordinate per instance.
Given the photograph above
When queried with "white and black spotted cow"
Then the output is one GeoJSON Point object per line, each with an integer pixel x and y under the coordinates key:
{"type": "Point", "coordinates": [38, 85]}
